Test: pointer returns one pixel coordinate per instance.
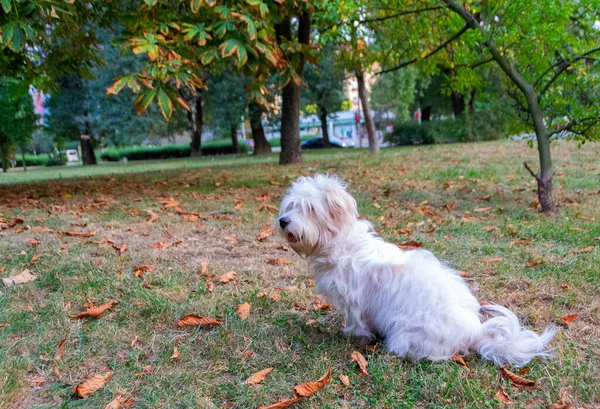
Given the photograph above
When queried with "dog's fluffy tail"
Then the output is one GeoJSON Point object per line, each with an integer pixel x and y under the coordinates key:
{"type": "Point", "coordinates": [503, 340]}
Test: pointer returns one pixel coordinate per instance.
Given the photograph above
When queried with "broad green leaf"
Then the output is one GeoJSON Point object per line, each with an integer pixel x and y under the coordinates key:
{"type": "Point", "coordinates": [165, 104]}
{"type": "Point", "coordinates": [195, 5]}
{"type": "Point", "coordinates": [151, 3]}
{"type": "Point", "coordinates": [251, 30]}
{"type": "Point", "coordinates": [6, 5]}
{"type": "Point", "coordinates": [18, 39]}
{"type": "Point", "coordinates": [264, 9]}
{"type": "Point", "coordinates": [207, 57]}
{"type": "Point", "coordinates": [254, 2]}
{"type": "Point", "coordinates": [143, 101]}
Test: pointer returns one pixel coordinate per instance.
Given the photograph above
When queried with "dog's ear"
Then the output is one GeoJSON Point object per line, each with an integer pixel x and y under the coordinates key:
{"type": "Point", "coordinates": [340, 204]}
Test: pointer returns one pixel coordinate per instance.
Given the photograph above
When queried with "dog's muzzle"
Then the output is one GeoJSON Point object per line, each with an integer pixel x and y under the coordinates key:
{"type": "Point", "coordinates": [283, 222]}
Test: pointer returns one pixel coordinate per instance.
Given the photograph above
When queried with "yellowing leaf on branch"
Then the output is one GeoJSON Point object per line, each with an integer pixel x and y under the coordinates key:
{"type": "Point", "coordinates": [95, 312]}
{"type": "Point", "coordinates": [193, 320]}
{"type": "Point", "coordinates": [86, 388]}
{"type": "Point", "coordinates": [258, 377]}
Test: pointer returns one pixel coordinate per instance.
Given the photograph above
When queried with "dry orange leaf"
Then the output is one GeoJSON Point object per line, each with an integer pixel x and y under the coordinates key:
{"type": "Point", "coordinates": [360, 361]}
{"type": "Point", "coordinates": [345, 380]}
{"type": "Point", "coordinates": [192, 320]}
{"type": "Point", "coordinates": [116, 403]}
{"type": "Point", "coordinates": [562, 403]}
{"type": "Point", "coordinates": [460, 360]}
{"type": "Point", "coordinates": [282, 404]}
{"type": "Point", "coordinates": [86, 388]}
{"type": "Point", "coordinates": [203, 268]}
{"type": "Point", "coordinates": [60, 350]}
{"type": "Point", "coordinates": [567, 319]}
{"type": "Point", "coordinates": [278, 261]}
{"type": "Point", "coordinates": [153, 216]}
{"type": "Point", "coordinates": [82, 234]}
{"type": "Point", "coordinates": [268, 208]}
{"type": "Point", "coordinates": [258, 377]}
{"type": "Point", "coordinates": [227, 277]}
{"type": "Point", "coordinates": [584, 250]}
{"type": "Point", "coordinates": [121, 249]}
{"type": "Point", "coordinates": [534, 263]}
{"type": "Point", "coordinates": [175, 354]}
{"type": "Point", "coordinates": [409, 245]}
{"type": "Point", "coordinates": [492, 260]}
{"type": "Point", "coordinates": [306, 389]}
{"type": "Point", "coordinates": [95, 312]}
{"type": "Point", "coordinates": [265, 232]}
{"type": "Point", "coordinates": [141, 270]}
{"type": "Point", "coordinates": [518, 381]}
{"type": "Point", "coordinates": [210, 286]}
{"type": "Point", "coordinates": [502, 396]}
{"type": "Point", "coordinates": [521, 242]}
{"type": "Point", "coordinates": [243, 310]}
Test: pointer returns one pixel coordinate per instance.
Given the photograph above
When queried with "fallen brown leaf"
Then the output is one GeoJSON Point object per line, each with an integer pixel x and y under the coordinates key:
{"type": "Point", "coordinates": [282, 404]}
{"type": "Point", "coordinates": [518, 381]}
{"type": "Point", "coordinates": [562, 403]}
{"type": "Point", "coordinates": [534, 263]}
{"type": "Point", "coordinates": [116, 403]}
{"type": "Point", "coordinates": [121, 249]}
{"type": "Point", "coordinates": [81, 234]}
{"type": "Point", "coordinates": [153, 216]}
{"type": "Point", "coordinates": [524, 371]}
{"type": "Point", "coordinates": [24, 277]}
{"type": "Point", "coordinates": [227, 277]}
{"type": "Point", "coordinates": [345, 380]}
{"type": "Point", "coordinates": [203, 268]}
{"type": "Point", "coordinates": [175, 354]}
{"type": "Point", "coordinates": [142, 269]}
{"type": "Point", "coordinates": [568, 319]}
{"type": "Point", "coordinates": [521, 242]}
{"type": "Point", "coordinates": [361, 362]}
{"type": "Point", "coordinates": [60, 350]}
{"type": "Point", "coordinates": [265, 232]}
{"type": "Point", "coordinates": [268, 208]}
{"type": "Point", "coordinates": [243, 310]}
{"type": "Point", "coordinates": [192, 320]}
{"type": "Point", "coordinates": [210, 286]}
{"type": "Point", "coordinates": [306, 389]}
{"type": "Point", "coordinates": [492, 259]}
{"type": "Point", "coordinates": [95, 312]}
{"type": "Point", "coordinates": [584, 250]}
{"type": "Point", "coordinates": [409, 245]}
{"type": "Point", "coordinates": [86, 388]}
{"type": "Point", "coordinates": [502, 396]}
{"type": "Point", "coordinates": [460, 360]}
{"type": "Point", "coordinates": [258, 377]}
{"type": "Point", "coordinates": [278, 261]}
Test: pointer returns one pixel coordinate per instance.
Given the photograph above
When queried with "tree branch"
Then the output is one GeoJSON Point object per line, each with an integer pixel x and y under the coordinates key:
{"type": "Point", "coordinates": [531, 171]}
{"type": "Point", "coordinates": [477, 64]}
{"type": "Point", "coordinates": [429, 54]}
{"type": "Point", "coordinates": [400, 14]}
{"type": "Point", "coordinates": [571, 125]}
{"type": "Point", "coordinates": [562, 68]}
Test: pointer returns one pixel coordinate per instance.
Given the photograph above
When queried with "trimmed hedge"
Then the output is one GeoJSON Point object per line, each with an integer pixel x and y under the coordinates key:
{"type": "Point", "coordinates": [276, 142]}
{"type": "Point", "coordinates": [31, 160]}
{"type": "Point", "coordinates": [170, 151]}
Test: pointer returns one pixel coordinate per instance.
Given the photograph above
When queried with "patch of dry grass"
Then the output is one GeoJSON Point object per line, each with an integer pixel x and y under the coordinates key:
{"type": "Point", "coordinates": [466, 203]}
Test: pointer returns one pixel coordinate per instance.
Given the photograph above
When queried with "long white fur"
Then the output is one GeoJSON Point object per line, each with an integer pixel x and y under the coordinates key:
{"type": "Point", "coordinates": [419, 305]}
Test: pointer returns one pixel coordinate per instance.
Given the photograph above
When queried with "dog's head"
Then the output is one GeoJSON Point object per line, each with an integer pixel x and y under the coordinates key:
{"type": "Point", "coordinates": [314, 212]}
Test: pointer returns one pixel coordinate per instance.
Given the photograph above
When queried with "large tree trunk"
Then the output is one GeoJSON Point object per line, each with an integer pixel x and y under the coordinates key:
{"type": "Point", "coordinates": [4, 153]}
{"type": "Point", "coordinates": [234, 139]}
{"type": "Point", "coordinates": [261, 145]}
{"type": "Point", "coordinates": [87, 150]}
{"type": "Point", "coordinates": [23, 159]}
{"type": "Point", "coordinates": [324, 129]}
{"type": "Point", "coordinates": [364, 101]}
{"type": "Point", "coordinates": [426, 113]}
{"type": "Point", "coordinates": [291, 151]}
{"type": "Point", "coordinates": [196, 119]}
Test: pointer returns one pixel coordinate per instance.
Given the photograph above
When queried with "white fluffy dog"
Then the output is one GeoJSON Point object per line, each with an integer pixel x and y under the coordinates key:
{"type": "Point", "coordinates": [419, 305]}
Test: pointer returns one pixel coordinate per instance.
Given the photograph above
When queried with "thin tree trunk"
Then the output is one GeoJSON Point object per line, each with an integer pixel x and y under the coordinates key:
{"type": "Point", "coordinates": [426, 113]}
{"type": "Point", "coordinates": [458, 104]}
{"type": "Point", "coordinates": [261, 145]}
{"type": "Point", "coordinates": [291, 151]}
{"type": "Point", "coordinates": [4, 153]}
{"type": "Point", "coordinates": [544, 176]}
{"type": "Point", "coordinates": [234, 139]}
{"type": "Point", "coordinates": [364, 101]}
{"type": "Point", "coordinates": [23, 159]}
{"type": "Point", "coordinates": [87, 150]}
{"type": "Point", "coordinates": [324, 129]}
{"type": "Point", "coordinates": [196, 119]}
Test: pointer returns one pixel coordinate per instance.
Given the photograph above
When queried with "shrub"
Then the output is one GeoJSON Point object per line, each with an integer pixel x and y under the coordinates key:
{"type": "Point", "coordinates": [57, 161]}
{"type": "Point", "coordinates": [170, 151]}
{"type": "Point", "coordinates": [30, 160]}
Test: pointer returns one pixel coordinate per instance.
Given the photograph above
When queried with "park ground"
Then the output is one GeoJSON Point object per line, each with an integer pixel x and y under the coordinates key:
{"type": "Point", "coordinates": [192, 222]}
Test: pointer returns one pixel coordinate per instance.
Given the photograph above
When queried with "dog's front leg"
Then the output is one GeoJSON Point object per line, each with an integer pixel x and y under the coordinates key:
{"type": "Point", "coordinates": [355, 324]}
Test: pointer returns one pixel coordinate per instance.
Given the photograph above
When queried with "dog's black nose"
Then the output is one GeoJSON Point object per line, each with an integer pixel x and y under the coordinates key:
{"type": "Point", "coordinates": [284, 221]}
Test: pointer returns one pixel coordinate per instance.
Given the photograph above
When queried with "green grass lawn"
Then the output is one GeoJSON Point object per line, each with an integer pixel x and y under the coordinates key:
{"type": "Point", "coordinates": [466, 203]}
